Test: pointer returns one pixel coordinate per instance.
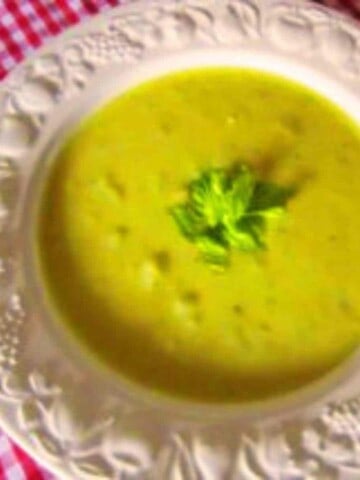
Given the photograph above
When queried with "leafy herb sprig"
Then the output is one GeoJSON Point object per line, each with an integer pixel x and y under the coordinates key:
{"type": "Point", "coordinates": [229, 210]}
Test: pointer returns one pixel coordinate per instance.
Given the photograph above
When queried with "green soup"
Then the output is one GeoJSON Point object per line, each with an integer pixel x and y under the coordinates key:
{"type": "Point", "coordinates": [134, 291]}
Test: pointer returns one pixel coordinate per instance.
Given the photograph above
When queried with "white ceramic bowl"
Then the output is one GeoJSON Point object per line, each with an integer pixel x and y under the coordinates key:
{"type": "Point", "coordinates": [74, 415]}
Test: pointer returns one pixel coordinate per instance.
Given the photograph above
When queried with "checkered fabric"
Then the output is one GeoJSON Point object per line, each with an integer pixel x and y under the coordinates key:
{"type": "Point", "coordinates": [24, 26]}
{"type": "Point", "coordinates": [16, 465]}
{"type": "Point", "coordinates": [350, 6]}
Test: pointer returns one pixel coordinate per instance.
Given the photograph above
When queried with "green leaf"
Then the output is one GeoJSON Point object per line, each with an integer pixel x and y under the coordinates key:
{"type": "Point", "coordinates": [229, 210]}
{"type": "Point", "coordinates": [269, 195]}
{"type": "Point", "coordinates": [212, 251]}
{"type": "Point", "coordinates": [254, 226]}
{"type": "Point", "coordinates": [207, 196]}
{"type": "Point", "coordinates": [189, 223]}
{"type": "Point", "coordinates": [274, 213]}
{"type": "Point", "coordinates": [239, 196]}
{"type": "Point", "coordinates": [243, 241]}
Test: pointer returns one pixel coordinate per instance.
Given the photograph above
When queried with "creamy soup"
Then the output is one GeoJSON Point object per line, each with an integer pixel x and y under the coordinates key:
{"type": "Point", "coordinates": [135, 291]}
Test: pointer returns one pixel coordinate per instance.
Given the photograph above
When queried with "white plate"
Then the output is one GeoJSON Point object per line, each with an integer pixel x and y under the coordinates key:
{"type": "Point", "coordinates": [62, 409]}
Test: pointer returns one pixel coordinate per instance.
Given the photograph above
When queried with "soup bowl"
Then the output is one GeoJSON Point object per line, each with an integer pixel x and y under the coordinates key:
{"type": "Point", "coordinates": [64, 407]}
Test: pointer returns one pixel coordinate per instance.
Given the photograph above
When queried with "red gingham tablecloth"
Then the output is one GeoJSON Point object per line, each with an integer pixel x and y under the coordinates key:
{"type": "Point", "coordinates": [24, 26]}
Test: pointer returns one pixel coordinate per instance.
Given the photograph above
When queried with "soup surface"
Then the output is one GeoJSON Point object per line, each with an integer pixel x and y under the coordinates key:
{"type": "Point", "coordinates": [133, 289]}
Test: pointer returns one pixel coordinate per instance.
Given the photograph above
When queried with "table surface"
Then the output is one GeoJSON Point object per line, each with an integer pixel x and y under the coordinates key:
{"type": "Point", "coordinates": [24, 26]}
